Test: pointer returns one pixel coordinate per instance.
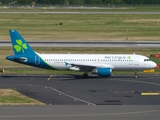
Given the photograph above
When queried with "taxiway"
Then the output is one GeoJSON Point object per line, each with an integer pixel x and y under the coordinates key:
{"type": "Point", "coordinates": [72, 97]}
{"type": "Point", "coordinates": [74, 90]}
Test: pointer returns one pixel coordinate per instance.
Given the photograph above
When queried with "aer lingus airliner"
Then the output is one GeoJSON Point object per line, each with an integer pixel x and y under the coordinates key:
{"type": "Point", "coordinates": [100, 64]}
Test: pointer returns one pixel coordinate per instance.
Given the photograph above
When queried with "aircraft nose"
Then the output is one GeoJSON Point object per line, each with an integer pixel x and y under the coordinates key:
{"type": "Point", "coordinates": [154, 64]}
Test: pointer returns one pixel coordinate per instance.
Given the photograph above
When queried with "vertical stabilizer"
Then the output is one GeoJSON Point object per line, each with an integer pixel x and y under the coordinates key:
{"type": "Point", "coordinates": [20, 46]}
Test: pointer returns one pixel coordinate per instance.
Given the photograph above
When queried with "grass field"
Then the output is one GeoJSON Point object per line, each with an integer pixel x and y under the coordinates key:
{"type": "Point", "coordinates": [79, 27]}
{"type": "Point", "coordinates": [13, 97]}
{"type": "Point", "coordinates": [15, 68]}
{"type": "Point", "coordinates": [82, 27]}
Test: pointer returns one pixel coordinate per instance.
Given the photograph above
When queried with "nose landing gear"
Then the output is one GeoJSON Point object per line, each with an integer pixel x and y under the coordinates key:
{"type": "Point", "coordinates": [135, 74]}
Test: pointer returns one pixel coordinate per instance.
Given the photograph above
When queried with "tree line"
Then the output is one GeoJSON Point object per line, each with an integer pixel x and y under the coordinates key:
{"type": "Point", "coordinates": [81, 2]}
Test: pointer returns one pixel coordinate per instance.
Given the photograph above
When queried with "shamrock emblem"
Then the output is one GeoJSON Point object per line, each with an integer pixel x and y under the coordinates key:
{"type": "Point", "coordinates": [129, 57]}
{"type": "Point", "coordinates": [20, 46]}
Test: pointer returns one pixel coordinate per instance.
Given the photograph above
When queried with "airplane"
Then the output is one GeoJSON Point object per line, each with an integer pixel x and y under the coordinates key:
{"type": "Point", "coordinates": [100, 64]}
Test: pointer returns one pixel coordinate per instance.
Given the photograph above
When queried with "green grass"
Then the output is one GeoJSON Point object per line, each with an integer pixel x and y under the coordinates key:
{"type": "Point", "coordinates": [13, 97]}
{"type": "Point", "coordinates": [156, 60]}
{"type": "Point", "coordinates": [31, 70]}
{"type": "Point", "coordinates": [81, 27]}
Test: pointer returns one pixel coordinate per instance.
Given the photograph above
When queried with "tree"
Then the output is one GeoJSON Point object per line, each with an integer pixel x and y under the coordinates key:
{"type": "Point", "coordinates": [88, 1]}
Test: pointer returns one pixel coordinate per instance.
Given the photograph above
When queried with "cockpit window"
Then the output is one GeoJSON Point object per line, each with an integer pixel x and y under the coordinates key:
{"type": "Point", "coordinates": [147, 60]}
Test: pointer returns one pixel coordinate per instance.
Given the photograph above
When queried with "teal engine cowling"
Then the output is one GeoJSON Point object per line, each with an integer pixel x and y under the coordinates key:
{"type": "Point", "coordinates": [103, 72]}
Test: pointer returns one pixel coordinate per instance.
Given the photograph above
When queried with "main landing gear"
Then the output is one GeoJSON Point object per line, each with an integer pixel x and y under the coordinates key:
{"type": "Point", "coordinates": [135, 74]}
{"type": "Point", "coordinates": [85, 75]}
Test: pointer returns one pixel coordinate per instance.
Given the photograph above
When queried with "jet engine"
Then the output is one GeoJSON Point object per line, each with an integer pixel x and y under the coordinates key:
{"type": "Point", "coordinates": [103, 72]}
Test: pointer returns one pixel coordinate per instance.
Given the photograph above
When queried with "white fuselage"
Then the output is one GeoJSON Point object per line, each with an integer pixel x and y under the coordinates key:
{"type": "Point", "coordinates": [113, 61]}
{"type": "Point", "coordinates": [100, 64]}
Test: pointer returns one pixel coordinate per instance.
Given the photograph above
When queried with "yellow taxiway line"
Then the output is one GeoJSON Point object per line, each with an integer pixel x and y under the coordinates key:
{"type": "Point", "coordinates": [150, 93]}
{"type": "Point", "coordinates": [49, 77]}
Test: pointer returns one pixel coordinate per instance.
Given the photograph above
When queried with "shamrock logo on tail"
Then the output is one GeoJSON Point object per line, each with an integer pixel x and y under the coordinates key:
{"type": "Point", "coordinates": [20, 46]}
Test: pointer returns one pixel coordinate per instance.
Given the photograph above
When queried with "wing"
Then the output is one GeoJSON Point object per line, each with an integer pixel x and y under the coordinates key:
{"type": "Point", "coordinates": [87, 67]}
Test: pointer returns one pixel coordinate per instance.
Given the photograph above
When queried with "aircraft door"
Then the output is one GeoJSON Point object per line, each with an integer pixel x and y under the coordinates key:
{"type": "Point", "coordinates": [136, 60]}
{"type": "Point", "coordinates": [37, 60]}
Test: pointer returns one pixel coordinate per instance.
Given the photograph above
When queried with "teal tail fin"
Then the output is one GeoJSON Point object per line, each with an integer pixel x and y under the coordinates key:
{"type": "Point", "coordinates": [23, 53]}
{"type": "Point", "coordinates": [20, 46]}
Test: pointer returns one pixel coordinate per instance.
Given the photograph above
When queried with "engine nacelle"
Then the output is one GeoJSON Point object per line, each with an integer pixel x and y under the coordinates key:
{"type": "Point", "coordinates": [103, 72]}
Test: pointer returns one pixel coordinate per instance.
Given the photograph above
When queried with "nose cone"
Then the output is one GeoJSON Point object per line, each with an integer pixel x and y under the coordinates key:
{"type": "Point", "coordinates": [154, 65]}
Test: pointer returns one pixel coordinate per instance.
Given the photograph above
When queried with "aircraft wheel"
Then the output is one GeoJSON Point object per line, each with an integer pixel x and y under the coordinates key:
{"type": "Point", "coordinates": [135, 77]}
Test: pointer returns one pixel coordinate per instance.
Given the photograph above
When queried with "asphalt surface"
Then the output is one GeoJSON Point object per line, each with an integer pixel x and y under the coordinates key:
{"type": "Point", "coordinates": [72, 97]}
{"type": "Point", "coordinates": [74, 90]}
{"type": "Point", "coordinates": [149, 44]}
{"type": "Point", "coordinates": [128, 13]}
{"type": "Point", "coordinates": [80, 112]}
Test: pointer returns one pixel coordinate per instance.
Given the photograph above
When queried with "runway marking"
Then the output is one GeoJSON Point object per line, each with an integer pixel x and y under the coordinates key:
{"type": "Point", "coordinates": [151, 83]}
{"type": "Point", "coordinates": [60, 92]}
{"type": "Point", "coordinates": [50, 77]}
{"type": "Point", "coordinates": [125, 92]}
{"type": "Point", "coordinates": [89, 103]}
{"type": "Point", "coordinates": [150, 93]}
{"type": "Point", "coordinates": [116, 91]}
{"type": "Point", "coordinates": [32, 78]}
{"type": "Point", "coordinates": [79, 115]}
